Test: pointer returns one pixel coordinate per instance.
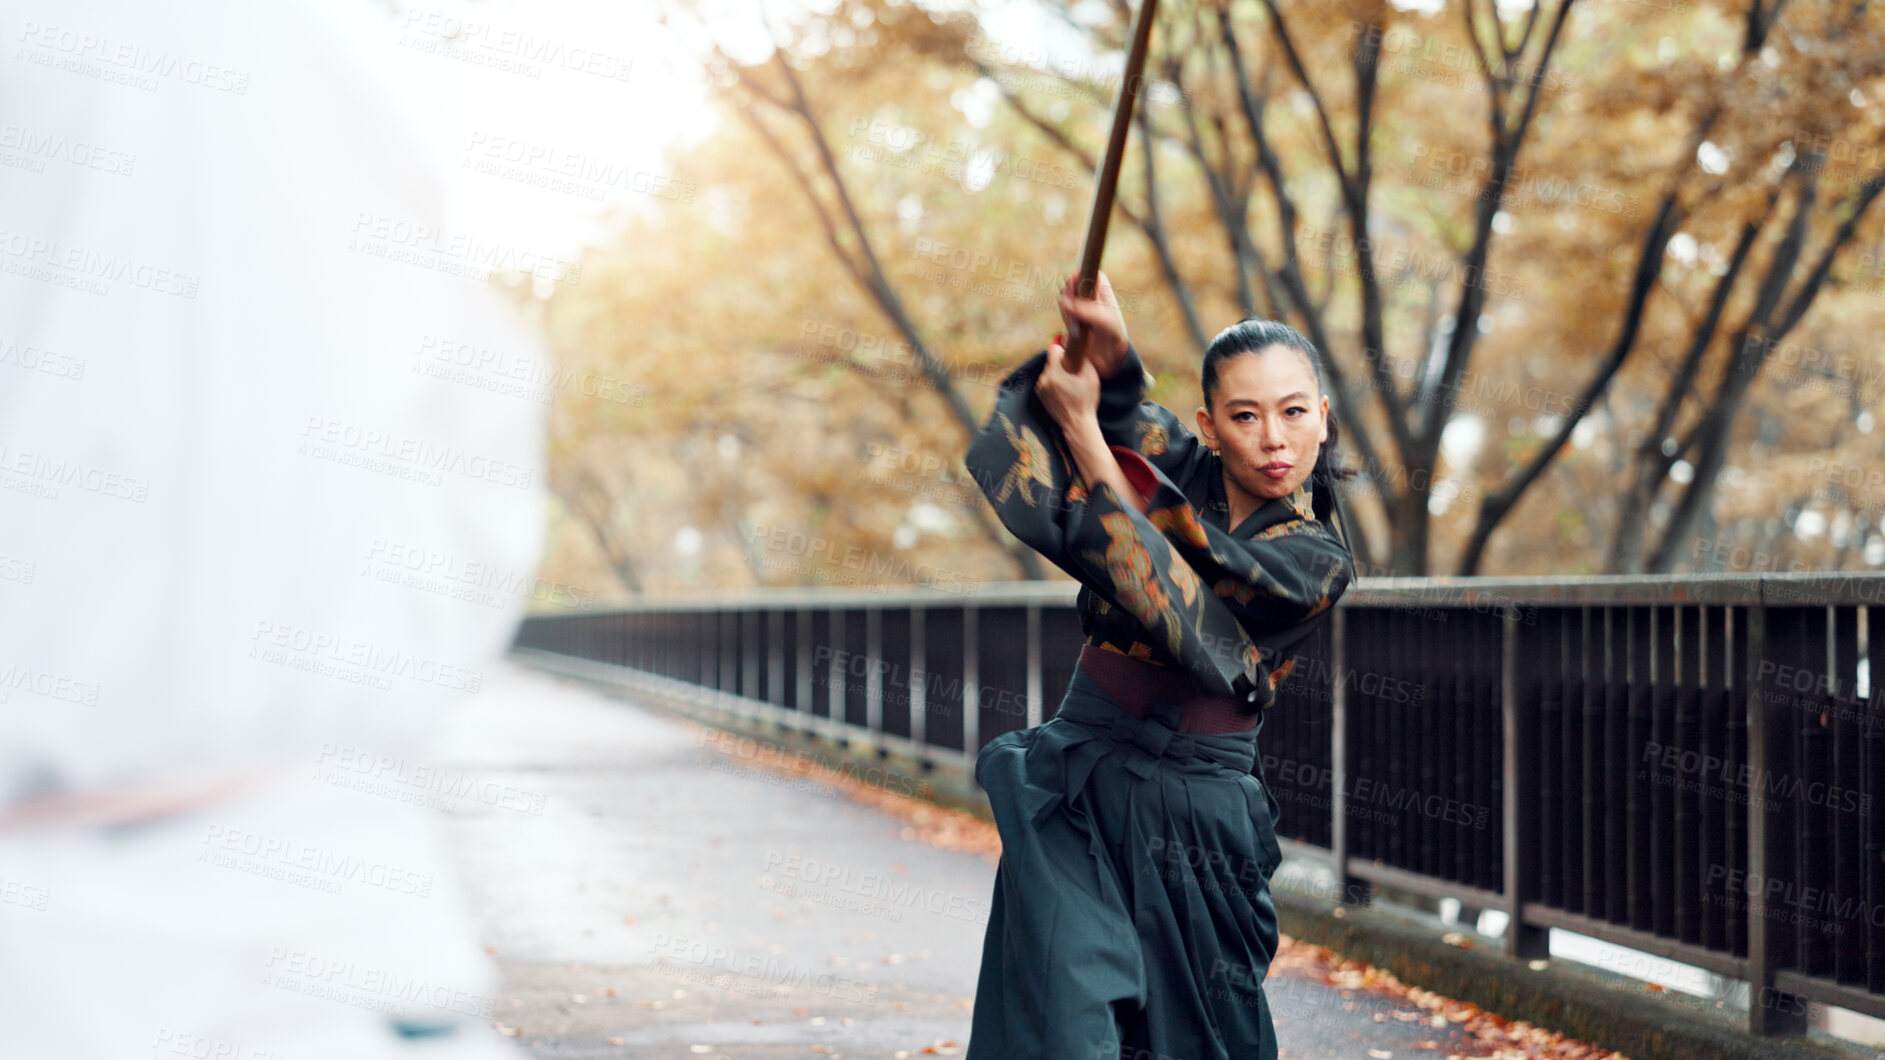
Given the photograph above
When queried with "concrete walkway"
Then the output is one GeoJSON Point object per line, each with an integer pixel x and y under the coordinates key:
{"type": "Point", "coordinates": [650, 895]}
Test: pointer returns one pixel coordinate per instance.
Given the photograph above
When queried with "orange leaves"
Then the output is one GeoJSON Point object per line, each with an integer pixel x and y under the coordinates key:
{"type": "Point", "coordinates": [1485, 1034]}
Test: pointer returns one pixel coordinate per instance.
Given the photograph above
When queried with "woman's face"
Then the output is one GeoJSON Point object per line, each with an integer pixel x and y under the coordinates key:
{"type": "Point", "coordinates": [1266, 420]}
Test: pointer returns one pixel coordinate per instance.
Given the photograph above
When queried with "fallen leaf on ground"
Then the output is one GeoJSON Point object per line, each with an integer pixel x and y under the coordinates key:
{"type": "Point", "coordinates": [1487, 1034]}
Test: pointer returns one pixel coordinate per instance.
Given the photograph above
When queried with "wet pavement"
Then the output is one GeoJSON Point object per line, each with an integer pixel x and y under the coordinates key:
{"type": "Point", "coordinates": [655, 890]}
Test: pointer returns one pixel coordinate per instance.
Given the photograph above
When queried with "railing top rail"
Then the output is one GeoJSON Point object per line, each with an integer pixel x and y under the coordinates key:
{"type": "Point", "coordinates": [1793, 589]}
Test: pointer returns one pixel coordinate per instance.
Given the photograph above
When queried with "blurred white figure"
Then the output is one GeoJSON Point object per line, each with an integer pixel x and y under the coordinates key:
{"type": "Point", "coordinates": [234, 512]}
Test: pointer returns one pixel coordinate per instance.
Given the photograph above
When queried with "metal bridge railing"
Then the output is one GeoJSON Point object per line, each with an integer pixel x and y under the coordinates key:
{"type": "Point", "coordinates": [1692, 767]}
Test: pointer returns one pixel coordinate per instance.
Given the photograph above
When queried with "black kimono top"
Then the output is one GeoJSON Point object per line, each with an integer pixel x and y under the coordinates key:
{"type": "Point", "coordinates": [1174, 585]}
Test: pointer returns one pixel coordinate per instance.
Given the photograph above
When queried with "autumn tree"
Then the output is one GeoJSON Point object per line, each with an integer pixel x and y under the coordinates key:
{"type": "Point", "coordinates": [1551, 261]}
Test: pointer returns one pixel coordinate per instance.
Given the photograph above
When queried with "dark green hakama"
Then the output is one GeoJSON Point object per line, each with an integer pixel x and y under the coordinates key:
{"type": "Point", "coordinates": [1131, 916]}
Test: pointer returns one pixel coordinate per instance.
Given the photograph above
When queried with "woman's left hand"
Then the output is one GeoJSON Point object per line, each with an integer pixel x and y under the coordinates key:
{"type": "Point", "coordinates": [1099, 319]}
{"type": "Point", "coordinates": [1072, 398]}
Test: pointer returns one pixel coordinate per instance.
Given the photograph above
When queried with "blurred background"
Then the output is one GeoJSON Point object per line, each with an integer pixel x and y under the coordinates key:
{"type": "Point", "coordinates": [1594, 284]}
{"type": "Point", "coordinates": [336, 337]}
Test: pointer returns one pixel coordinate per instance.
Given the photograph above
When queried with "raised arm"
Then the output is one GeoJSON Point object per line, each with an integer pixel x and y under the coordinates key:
{"type": "Point", "coordinates": [1229, 609]}
{"type": "Point", "coordinates": [1125, 417]}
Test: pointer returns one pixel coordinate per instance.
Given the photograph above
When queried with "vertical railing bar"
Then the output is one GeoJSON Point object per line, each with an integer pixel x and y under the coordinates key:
{"type": "Point", "coordinates": [1767, 1013]}
{"type": "Point", "coordinates": [1457, 751]}
{"type": "Point", "coordinates": [1634, 870]}
{"type": "Point", "coordinates": [802, 673]}
{"type": "Point", "coordinates": [837, 686]}
{"type": "Point", "coordinates": [749, 665]}
{"type": "Point", "coordinates": [1546, 693]}
{"type": "Point", "coordinates": [1368, 757]}
{"type": "Point", "coordinates": [1551, 781]}
{"type": "Point", "coordinates": [874, 679]}
{"type": "Point", "coordinates": [1810, 757]}
{"type": "Point", "coordinates": [1370, 731]}
{"type": "Point", "coordinates": [1618, 644]}
{"type": "Point", "coordinates": [1034, 666]}
{"type": "Point", "coordinates": [1521, 940]}
{"type": "Point", "coordinates": [728, 650]}
{"type": "Point", "coordinates": [1706, 850]}
{"type": "Point", "coordinates": [775, 657]}
{"type": "Point", "coordinates": [1592, 817]}
{"type": "Point", "coordinates": [1484, 731]}
{"type": "Point", "coordinates": [1338, 755]}
{"type": "Point", "coordinates": [1420, 762]}
{"type": "Point", "coordinates": [1666, 688]}
{"type": "Point", "coordinates": [1388, 756]}
{"type": "Point", "coordinates": [1487, 758]}
{"type": "Point", "coordinates": [1685, 821]}
{"type": "Point", "coordinates": [919, 678]}
{"type": "Point", "coordinates": [1733, 713]}
{"type": "Point", "coordinates": [1873, 769]}
{"type": "Point", "coordinates": [1760, 968]}
{"type": "Point", "coordinates": [971, 681]}
{"type": "Point", "coordinates": [1432, 738]}
{"type": "Point", "coordinates": [1848, 835]}
{"type": "Point", "coordinates": [1570, 807]}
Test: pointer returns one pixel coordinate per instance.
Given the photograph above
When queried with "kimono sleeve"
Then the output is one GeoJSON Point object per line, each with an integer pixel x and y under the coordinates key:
{"type": "Point", "coordinates": [1229, 609]}
{"type": "Point", "coordinates": [1146, 427]}
{"type": "Point", "coordinates": [1021, 465]}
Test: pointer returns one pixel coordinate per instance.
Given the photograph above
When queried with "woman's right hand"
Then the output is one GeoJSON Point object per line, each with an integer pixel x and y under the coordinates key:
{"type": "Point", "coordinates": [1097, 322]}
{"type": "Point", "coordinates": [1071, 398]}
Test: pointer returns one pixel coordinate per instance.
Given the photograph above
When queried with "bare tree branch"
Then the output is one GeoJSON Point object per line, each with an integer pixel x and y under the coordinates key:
{"type": "Point", "coordinates": [1231, 213]}
{"type": "Point", "coordinates": [1147, 222]}
{"type": "Point", "coordinates": [874, 276]}
{"type": "Point", "coordinates": [1648, 266]}
{"type": "Point", "coordinates": [1506, 145]}
{"type": "Point", "coordinates": [1757, 339]}
{"type": "Point", "coordinates": [585, 498]}
{"type": "Point", "coordinates": [1155, 230]}
{"type": "Point", "coordinates": [1652, 462]}
{"type": "Point", "coordinates": [869, 271]}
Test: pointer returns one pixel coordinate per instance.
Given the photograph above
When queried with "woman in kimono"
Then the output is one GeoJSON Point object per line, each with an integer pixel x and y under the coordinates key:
{"type": "Point", "coordinates": [1131, 914]}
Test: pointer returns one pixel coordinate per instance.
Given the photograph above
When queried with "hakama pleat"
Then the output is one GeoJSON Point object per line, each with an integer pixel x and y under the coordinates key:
{"type": "Point", "coordinates": [1131, 915]}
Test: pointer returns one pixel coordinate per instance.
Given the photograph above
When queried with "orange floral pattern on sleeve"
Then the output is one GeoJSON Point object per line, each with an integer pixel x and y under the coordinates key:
{"type": "Point", "coordinates": [1031, 464]}
{"type": "Point", "coordinates": [1183, 521]}
{"type": "Point", "coordinates": [1135, 579]}
{"type": "Point", "coordinates": [1277, 675]}
{"type": "Point", "coordinates": [1235, 589]}
{"type": "Point", "coordinates": [1152, 438]}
